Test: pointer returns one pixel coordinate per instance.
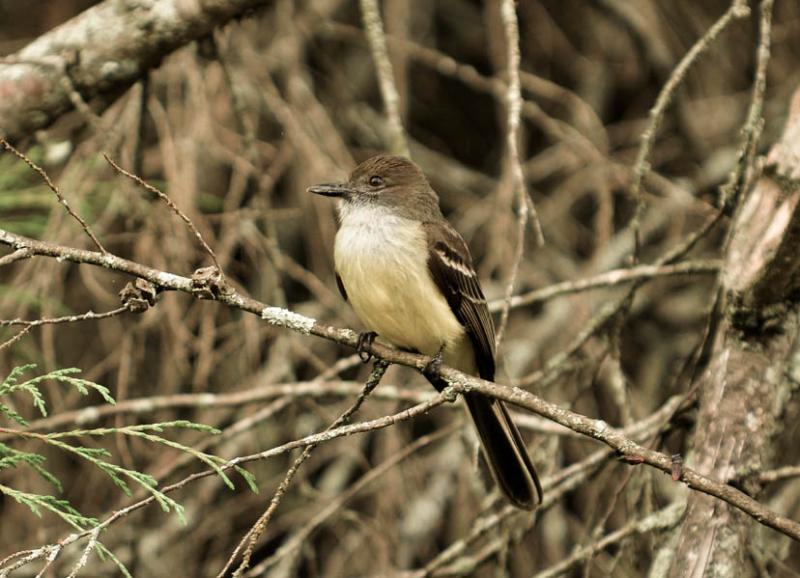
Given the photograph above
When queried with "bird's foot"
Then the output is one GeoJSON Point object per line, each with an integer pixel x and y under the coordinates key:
{"type": "Point", "coordinates": [433, 368]}
{"type": "Point", "coordinates": [363, 345]}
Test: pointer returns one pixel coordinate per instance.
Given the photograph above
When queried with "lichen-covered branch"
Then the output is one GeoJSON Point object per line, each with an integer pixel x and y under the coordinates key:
{"type": "Point", "coordinates": [100, 53]}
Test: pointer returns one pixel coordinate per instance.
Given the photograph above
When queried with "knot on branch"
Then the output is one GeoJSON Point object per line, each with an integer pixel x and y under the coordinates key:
{"type": "Point", "coordinates": [139, 295]}
{"type": "Point", "coordinates": [450, 394]}
{"type": "Point", "coordinates": [209, 283]}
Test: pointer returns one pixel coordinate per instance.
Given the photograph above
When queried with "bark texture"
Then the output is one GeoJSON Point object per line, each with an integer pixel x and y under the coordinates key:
{"type": "Point", "coordinates": [746, 387]}
{"type": "Point", "coordinates": [99, 53]}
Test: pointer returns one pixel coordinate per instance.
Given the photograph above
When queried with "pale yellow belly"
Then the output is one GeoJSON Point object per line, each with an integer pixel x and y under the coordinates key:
{"type": "Point", "coordinates": [385, 274]}
{"type": "Point", "coordinates": [406, 310]}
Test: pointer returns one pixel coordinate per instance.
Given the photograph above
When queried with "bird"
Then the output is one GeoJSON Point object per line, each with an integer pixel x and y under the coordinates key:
{"type": "Point", "coordinates": [409, 277]}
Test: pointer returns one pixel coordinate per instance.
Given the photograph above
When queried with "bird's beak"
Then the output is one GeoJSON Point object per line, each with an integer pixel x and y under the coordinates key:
{"type": "Point", "coordinates": [330, 190]}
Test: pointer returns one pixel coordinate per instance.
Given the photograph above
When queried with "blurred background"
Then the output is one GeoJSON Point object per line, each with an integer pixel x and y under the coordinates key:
{"type": "Point", "coordinates": [234, 128]}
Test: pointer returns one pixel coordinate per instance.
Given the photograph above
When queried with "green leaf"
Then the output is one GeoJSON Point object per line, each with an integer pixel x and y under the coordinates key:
{"type": "Point", "coordinates": [11, 384]}
{"type": "Point", "coordinates": [36, 503]}
{"type": "Point", "coordinates": [120, 476]}
{"type": "Point", "coordinates": [12, 458]}
{"type": "Point", "coordinates": [11, 380]}
{"type": "Point", "coordinates": [11, 414]}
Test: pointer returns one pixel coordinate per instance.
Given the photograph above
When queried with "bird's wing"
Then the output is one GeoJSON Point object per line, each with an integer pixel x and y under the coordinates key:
{"type": "Point", "coordinates": [451, 268]}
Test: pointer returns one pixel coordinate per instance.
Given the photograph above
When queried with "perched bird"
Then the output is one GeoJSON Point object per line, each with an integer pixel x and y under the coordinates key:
{"type": "Point", "coordinates": [408, 275]}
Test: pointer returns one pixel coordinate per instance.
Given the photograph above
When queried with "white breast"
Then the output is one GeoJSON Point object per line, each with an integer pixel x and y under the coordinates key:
{"type": "Point", "coordinates": [382, 261]}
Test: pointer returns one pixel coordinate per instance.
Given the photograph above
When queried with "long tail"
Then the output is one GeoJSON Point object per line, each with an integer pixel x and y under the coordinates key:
{"type": "Point", "coordinates": [505, 451]}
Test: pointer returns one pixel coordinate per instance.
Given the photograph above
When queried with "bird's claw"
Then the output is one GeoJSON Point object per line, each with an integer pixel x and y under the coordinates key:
{"type": "Point", "coordinates": [434, 367]}
{"type": "Point", "coordinates": [364, 343]}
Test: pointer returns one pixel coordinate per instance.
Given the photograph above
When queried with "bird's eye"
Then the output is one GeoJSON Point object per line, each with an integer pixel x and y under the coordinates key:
{"type": "Point", "coordinates": [375, 181]}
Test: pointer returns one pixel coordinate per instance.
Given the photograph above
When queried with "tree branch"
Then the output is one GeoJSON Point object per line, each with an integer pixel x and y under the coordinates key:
{"type": "Point", "coordinates": [459, 382]}
{"type": "Point", "coordinates": [100, 53]}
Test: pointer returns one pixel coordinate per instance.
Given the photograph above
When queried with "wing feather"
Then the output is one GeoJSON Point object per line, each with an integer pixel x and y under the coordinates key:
{"type": "Point", "coordinates": [450, 265]}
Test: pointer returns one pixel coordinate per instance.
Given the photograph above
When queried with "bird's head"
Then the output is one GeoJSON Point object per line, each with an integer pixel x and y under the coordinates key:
{"type": "Point", "coordinates": [386, 181]}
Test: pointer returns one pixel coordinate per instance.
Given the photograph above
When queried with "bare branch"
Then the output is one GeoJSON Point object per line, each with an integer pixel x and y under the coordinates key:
{"type": "Point", "coordinates": [88, 316]}
{"type": "Point", "coordinates": [51, 185]}
{"type": "Point", "coordinates": [459, 382]}
{"type": "Point", "coordinates": [380, 55]}
{"type": "Point", "coordinates": [611, 279]}
{"type": "Point", "coordinates": [17, 255]}
{"type": "Point", "coordinates": [737, 9]}
{"type": "Point", "coordinates": [139, 181]}
{"type": "Point", "coordinates": [106, 49]}
{"type": "Point", "coordinates": [258, 528]}
{"type": "Point", "coordinates": [514, 106]}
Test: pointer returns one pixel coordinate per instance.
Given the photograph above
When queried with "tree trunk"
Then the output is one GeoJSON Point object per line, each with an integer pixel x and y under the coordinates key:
{"type": "Point", "coordinates": [747, 385]}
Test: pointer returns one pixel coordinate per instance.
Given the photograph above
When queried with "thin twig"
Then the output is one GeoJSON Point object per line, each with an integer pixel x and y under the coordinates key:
{"type": "Point", "coordinates": [737, 9]}
{"type": "Point", "coordinates": [337, 503]}
{"type": "Point", "coordinates": [258, 528]}
{"type": "Point", "coordinates": [51, 185]}
{"type": "Point", "coordinates": [85, 555]}
{"type": "Point", "coordinates": [248, 395]}
{"type": "Point", "coordinates": [498, 88]}
{"type": "Point", "coordinates": [447, 396]}
{"type": "Point", "coordinates": [779, 474]}
{"type": "Point", "coordinates": [555, 486]}
{"type": "Point", "coordinates": [611, 279]}
{"type": "Point", "coordinates": [26, 555]}
{"type": "Point", "coordinates": [45, 552]}
{"type": "Point", "coordinates": [139, 181]}
{"type": "Point", "coordinates": [557, 363]}
{"type": "Point", "coordinates": [380, 55]}
{"type": "Point", "coordinates": [88, 316]}
{"type": "Point", "coordinates": [741, 178]}
{"type": "Point", "coordinates": [661, 520]}
{"type": "Point", "coordinates": [514, 106]}
{"type": "Point", "coordinates": [8, 343]}
{"type": "Point", "coordinates": [17, 255]}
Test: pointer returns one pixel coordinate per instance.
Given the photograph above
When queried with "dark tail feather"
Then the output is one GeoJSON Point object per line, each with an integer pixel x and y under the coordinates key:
{"type": "Point", "coordinates": [505, 451]}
